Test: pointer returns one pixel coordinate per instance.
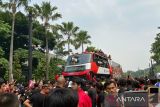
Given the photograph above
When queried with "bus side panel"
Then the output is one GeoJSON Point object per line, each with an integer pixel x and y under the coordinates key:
{"type": "Point", "coordinates": [110, 69]}
{"type": "Point", "coordinates": [94, 67]}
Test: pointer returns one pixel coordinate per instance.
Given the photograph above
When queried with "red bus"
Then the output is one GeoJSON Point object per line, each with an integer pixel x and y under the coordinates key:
{"type": "Point", "coordinates": [87, 65]}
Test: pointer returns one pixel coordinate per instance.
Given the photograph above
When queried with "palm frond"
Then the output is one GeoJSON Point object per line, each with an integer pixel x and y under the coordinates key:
{"type": "Point", "coordinates": [22, 3]}
{"type": "Point", "coordinates": [32, 10]}
{"type": "Point", "coordinates": [75, 29]}
{"type": "Point", "coordinates": [47, 12]}
{"type": "Point", "coordinates": [38, 8]}
{"type": "Point", "coordinates": [69, 26]}
{"type": "Point", "coordinates": [56, 16]}
{"type": "Point", "coordinates": [54, 8]}
{"type": "Point", "coordinates": [82, 38]}
{"type": "Point", "coordinates": [6, 6]}
{"type": "Point", "coordinates": [62, 43]}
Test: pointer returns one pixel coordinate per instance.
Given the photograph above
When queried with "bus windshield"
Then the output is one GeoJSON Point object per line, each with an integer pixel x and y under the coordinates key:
{"type": "Point", "coordinates": [79, 59]}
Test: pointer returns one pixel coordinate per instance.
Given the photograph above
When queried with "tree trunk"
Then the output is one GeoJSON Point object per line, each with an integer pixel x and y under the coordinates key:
{"type": "Point", "coordinates": [82, 48]}
{"type": "Point", "coordinates": [68, 43]}
{"type": "Point", "coordinates": [11, 51]}
{"type": "Point", "coordinates": [30, 48]}
{"type": "Point", "coordinates": [47, 54]}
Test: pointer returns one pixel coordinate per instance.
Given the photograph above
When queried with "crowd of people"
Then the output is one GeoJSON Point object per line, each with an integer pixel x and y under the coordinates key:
{"type": "Point", "coordinates": [75, 92]}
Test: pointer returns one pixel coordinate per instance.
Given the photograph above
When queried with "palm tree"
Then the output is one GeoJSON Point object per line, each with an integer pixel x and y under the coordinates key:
{"type": "Point", "coordinates": [12, 5]}
{"type": "Point", "coordinates": [82, 38]}
{"type": "Point", "coordinates": [32, 15]}
{"type": "Point", "coordinates": [69, 30]}
{"type": "Point", "coordinates": [46, 12]}
{"type": "Point", "coordinates": [60, 42]}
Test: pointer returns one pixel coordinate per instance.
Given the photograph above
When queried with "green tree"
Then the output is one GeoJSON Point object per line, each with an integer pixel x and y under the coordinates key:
{"type": "Point", "coordinates": [59, 49]}
{"type": "Point", "coordinates": [13, 5]}
{"type": "Point", "coordinates": [4, 35]}
{"type": "Point", "coordinates": [54, 67]}
{"type": "Point", "coordinates": [31, 13]}
{"type": "Point", "coordinates": [3, 64]}
{"type": "Point", "coordinates": [1, 52]}
{"type": "Point", "coordinates": [47, 13]}
{"type": "Point", "coordinates": [91, 49]}
{"type": "Point", "coordinates": [4, 29]}
{"type": "Point", "coordinates": [21, 64]}
{"type": "Point", "coordinates": [38, 64]}
{"type": "Point", "coordinates": [20, 56]}
{"type": "Point", "coordinates": [21, 44]}
{"type": "Point", "coordinates": [69, 29]}
{"type": "Point", "coordinates": [82, 38]}
{"type": "Point", "coordinates": [21, 31]}
{"type": "Point", "coordinates": [155, 49]}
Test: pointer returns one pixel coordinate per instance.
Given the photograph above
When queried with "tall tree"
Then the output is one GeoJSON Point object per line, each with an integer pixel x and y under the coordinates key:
{"type": "Point", "coordinates": [60, 41]}
{"type": "Point", "coordinates": [12, 5]}
{"type": "Point", "coordinates": [30, 13]}
{"type": "Point", "coordinates": [82, 38]}
{"type": "Point", "coordinates": [155, 49]}
{"type": "Point", "coordinates": [46, 12]}
{"type": "Point", "coordinates": [69, 30]}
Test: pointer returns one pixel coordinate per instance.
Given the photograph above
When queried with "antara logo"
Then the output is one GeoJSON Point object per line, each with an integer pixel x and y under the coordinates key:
{"type": "Point", "coordinates": [131, 99]}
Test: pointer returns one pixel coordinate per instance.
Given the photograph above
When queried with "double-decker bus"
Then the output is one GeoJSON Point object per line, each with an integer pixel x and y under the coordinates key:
{"type": "Point", "coordinates": [88, 65]}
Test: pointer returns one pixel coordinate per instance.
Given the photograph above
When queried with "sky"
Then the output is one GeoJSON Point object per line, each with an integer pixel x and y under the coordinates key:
{"type": "Point", "coordinates": [125, 29]}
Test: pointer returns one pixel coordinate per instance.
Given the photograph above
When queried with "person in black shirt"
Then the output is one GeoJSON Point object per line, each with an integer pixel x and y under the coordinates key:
{"type": "Point", "coordinates": [35, 89]}
{"type": "Point", "coordinates": [92, 93]}
{"type": "Point", "coordinates": [8, 100]}
{"type": "Point", "coordinates": [62, 97]}
{"type": "Point", "coordinates": [101, 95]}
{"type": "Point", "coordinates": [37, 100]}
{"type": "Point", "coordinates": [122, 84]}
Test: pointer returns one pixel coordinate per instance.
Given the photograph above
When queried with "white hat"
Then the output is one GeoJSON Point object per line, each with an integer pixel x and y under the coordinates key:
{"type": "Point", "coordinates": [70, 84]}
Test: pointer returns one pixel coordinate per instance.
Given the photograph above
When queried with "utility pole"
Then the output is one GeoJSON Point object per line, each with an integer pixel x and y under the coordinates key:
{"type": "Point", "coordinates": [30, 48]}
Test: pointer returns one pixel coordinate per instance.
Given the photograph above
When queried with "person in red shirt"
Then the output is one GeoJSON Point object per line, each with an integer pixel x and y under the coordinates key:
{"type": "Point", "coordinates": [84, 99]}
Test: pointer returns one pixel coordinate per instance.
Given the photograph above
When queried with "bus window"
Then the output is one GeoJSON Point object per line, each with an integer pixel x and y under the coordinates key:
{"type": "Point", "coordinates": [78, 59]}
{"type": "Point", "coordinates": [96, 59]}
{"type": "Point", "coordinates": [100, 61]}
